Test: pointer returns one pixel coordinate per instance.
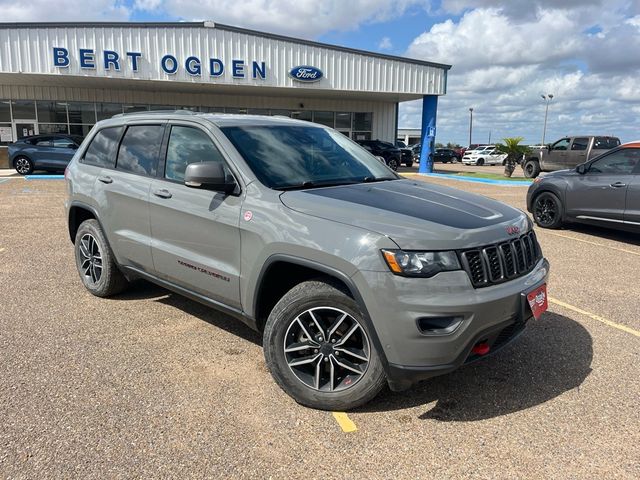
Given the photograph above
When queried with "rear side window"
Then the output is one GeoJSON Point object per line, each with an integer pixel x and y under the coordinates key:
{"type": "Point", "coordinates": [188, 145]}
{"type": "Point", "coordinates": [605, 143]}
{"type": "Point", "coordinates": [43, 142]}
{"type": "Point", "coordinates": [580, 144]}
{"type": "Point", "coordinates": [101, 151]}
{"type": "Point", "coordinates": [139, 149]}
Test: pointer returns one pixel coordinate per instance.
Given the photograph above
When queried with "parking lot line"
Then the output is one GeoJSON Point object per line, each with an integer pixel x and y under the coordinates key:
{"type": "Point", "coordinates": [598, 318]}
{"type": "Point", "coordinates": [592, 243]}
{"type": "Point", "coordinates": [345, 422]}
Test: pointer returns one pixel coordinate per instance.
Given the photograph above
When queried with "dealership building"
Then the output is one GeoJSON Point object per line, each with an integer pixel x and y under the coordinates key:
{"type": "Point", "coordinates": [64, 77]}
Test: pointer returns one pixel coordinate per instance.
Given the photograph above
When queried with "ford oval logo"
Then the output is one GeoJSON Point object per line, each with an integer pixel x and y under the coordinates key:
{"type": "Point", "coordinates": [305, 73]}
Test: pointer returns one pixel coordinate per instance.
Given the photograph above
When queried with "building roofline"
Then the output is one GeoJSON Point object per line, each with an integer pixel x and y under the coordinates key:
{"type": "Point", "coordinates": [209, 24]}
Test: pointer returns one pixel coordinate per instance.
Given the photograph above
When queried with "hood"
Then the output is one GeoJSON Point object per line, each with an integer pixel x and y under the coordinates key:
{"type": "Point", "coordinates": [415, 215]}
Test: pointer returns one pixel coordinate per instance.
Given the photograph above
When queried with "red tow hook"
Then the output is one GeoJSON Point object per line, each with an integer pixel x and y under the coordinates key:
{"type": "Point", "coordinates": [481, 349]}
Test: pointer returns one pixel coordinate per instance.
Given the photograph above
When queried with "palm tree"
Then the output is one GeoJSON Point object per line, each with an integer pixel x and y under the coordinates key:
{"type": "Point", "coordinates": [511, 146]}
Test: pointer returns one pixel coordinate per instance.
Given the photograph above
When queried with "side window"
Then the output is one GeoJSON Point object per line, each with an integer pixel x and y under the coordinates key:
{"type": "Point", "coordinates": [188, 145]}
{"type": "Point", "coordinates": [580, 144]}
{"type": "Point", "coordinates": [605, 143]}
{"type": "Point", "coordinates": [620, 162]}
{"type": "Point", "coordinates": [561, 144]}
{"type": "Point", "coordinates": [43, 142]}
{"type": "Point", "coordinates": [63, 142]}
{"type": "Point", "coordinates": [139, 149]}
{"type": "Point", "coordinates": [101, 151]}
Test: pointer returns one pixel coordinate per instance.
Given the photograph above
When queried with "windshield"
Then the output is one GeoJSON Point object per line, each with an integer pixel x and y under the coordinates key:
{"type": "Point", "coordinates": [284, 156]}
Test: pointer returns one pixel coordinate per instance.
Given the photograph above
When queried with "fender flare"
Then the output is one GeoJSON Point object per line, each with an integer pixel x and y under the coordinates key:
{"type": "Point", "coordinates": [332, 272]}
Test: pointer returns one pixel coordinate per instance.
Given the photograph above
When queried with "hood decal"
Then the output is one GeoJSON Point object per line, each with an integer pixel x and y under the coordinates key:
{"type": "Point", "coordinates": [441, 205]}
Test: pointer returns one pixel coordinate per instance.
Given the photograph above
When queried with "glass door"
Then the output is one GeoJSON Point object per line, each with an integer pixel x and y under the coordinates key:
{"type": "Point", "coordinates": [24, 128]}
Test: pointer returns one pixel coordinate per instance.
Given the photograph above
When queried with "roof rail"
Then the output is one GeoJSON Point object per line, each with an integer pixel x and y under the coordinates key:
{"type": "Point", "coordinates": [157, 112]}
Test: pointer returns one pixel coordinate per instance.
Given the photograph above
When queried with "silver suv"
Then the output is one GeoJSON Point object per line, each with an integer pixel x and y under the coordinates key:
{"type": "Point", "coordinates": [356, 277]}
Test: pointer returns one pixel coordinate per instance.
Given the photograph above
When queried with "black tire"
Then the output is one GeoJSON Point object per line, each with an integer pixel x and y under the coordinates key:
{"type": "Point", "coordinates": [531, 168]}
{"type": "Point", "coordinates": [282, 328]}
{"type": "Point", "coordinates": [103, 278]}
{"type": "Point", "coordinates": [393, 163]}
{"type": "Point", "coordinates": [409, 163]}
{"type": "Point", "coordinates": [23, 165]}
{"type": "Point", "coordinates": [480, 162]}
{"type": "Point", "coordinates": [547, 210]}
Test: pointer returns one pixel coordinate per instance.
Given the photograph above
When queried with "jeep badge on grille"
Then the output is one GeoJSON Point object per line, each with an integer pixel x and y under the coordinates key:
{"type": "Point", "coordinates": [513, 229]}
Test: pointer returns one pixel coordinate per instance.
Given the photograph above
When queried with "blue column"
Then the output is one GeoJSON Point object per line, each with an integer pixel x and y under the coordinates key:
{"type": "Point", "coordinates": [429, 110]}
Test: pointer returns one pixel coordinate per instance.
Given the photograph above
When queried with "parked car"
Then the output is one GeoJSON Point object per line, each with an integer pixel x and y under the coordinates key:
{"type": "Point", "coordinates": [567, 153]}
{"type": "Point", "coordinates": [604, 191]}
{"type": "Point", "coordinates": [392, 155]}
{"type": "Point", "coordinates": [487, 155]}
{"type": "Point", "coordinates": [291, 228]}
{"type": "Point", "coordinates": [405, 152]}
{"type": "Point", "coordinates": [43, 152]}
{"type": "Point", "coordinates": [445, 155]}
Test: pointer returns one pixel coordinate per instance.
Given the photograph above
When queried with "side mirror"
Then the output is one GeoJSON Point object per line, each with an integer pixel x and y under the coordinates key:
{"type": "Point", "coordinates": [208, 175]}
{"type": "Point", "coordinates": [381, 159]}
{"type": "Point", "coordinates": [581, 169]}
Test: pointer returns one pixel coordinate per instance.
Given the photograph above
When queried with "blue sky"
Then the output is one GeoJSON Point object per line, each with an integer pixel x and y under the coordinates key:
{"type": "Point", "coordinates": [505, 54]}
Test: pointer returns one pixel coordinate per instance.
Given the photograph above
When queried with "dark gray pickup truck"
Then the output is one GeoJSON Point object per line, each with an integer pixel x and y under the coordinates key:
{"type": "Point", "coordinates": [568, 152]}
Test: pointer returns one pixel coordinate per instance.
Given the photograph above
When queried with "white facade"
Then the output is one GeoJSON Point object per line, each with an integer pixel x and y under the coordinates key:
{"type": "Point", "coordinates": [200, 66]}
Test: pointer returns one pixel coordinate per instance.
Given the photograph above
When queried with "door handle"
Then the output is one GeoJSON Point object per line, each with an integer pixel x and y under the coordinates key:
{"type": "Point", "coordinates": [105, 179]}
{"type": "Point", "coordinates": [618, 185]}
{"type": "Point", "coordinates": [162, 193]}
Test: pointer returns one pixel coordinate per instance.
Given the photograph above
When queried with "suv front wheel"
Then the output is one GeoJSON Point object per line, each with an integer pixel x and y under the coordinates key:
{"type": "Point", "coordinates": [319, 349]}
{"type": "Point", "coordinates": [95, 262]}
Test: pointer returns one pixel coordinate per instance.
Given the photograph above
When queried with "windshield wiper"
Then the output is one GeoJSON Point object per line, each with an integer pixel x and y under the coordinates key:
{"type": "Point", "coordinates": [309, 184]}
{"type": "Point", "coordinates": [377, 179]}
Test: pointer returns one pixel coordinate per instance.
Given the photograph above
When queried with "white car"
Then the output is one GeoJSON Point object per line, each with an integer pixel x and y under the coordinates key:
{"type": "Point", "coordinates": [487, 155]}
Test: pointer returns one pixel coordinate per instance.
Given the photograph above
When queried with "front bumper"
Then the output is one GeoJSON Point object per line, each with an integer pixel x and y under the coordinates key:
{"type": "Point", "coordinates": [493, 315]}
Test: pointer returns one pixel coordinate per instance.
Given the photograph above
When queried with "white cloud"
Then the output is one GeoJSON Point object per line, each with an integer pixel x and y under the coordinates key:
{"type": "Point", "coordinates": [63, 10]}
{"type": "Point", "coordinates": [503, 62]}
{"type": "Point", "coordinates": [302, 18]}
{"type": "Point", "coordinates": [385, 44]}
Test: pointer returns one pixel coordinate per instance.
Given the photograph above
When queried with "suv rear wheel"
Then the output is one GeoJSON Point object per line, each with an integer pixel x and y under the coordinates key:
{"type": "Point", "coordinates": [95, 261]}
{"type": "Point", "coordinates": [393, 164]}
{"type": "Point", "coordinates": [319, 350]}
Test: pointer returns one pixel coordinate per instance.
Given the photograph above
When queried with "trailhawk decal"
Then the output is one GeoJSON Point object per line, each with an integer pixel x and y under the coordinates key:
{"type": "Point", "coordinates": [204, 270]}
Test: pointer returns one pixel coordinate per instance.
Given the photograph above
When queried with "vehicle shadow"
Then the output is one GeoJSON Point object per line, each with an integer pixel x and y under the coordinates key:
{"type": "Point", "coordinates": [143, 290]}
{"type": "Point", "coordinates": [605, 233]}
{"type": "Point", "coordinates": [551, 357]}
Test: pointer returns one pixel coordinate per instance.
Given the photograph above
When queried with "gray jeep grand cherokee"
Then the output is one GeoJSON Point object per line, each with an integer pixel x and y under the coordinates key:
{"type": "Point", "coordinates": [356, 276]}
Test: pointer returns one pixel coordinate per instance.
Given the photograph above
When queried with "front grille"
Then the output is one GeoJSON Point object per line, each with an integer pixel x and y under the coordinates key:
{"type": "Point", "coordinates": [501, 262]}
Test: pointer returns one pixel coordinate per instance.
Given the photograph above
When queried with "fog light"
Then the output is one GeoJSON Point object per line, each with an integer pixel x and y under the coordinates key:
{"type": "Point", "coordinates": [438, 325]}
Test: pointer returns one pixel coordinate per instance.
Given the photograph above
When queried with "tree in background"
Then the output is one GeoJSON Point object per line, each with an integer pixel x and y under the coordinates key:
{"type": "Point", "coordinates": [514, 151]}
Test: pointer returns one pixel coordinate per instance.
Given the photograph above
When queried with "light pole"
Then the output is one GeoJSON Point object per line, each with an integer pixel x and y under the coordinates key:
{"type": "Point", "coordinates": [470, 124]}
{"type": "Point", "coordinates": [547, 98]}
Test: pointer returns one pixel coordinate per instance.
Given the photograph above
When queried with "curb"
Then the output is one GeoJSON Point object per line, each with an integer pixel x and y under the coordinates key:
{"type": "Point", "coordinates": [461, 178]}
{"type": "Point", "coordinates": [44, 177]}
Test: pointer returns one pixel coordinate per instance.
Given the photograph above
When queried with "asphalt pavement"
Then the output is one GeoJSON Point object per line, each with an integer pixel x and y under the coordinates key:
{"type": "Point", "coordinates": [149, 384]}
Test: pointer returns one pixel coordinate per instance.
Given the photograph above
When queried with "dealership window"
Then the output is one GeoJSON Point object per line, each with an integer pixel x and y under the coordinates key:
{"type": "Point", "coordinates": [343, 120]}
{"type": "Point", "coordinates": [258, 111]}
{"type": "Point", "coordinates": [24, 109]}
{"type": "Point", "coordinates": [324, 118]}
{"type": "Point", "coordinates": [362, 122]}
{"type": "Point", "coordinates": [81, 130]}
{"type": "Point", "coordinates": [302, 115]}
{"type": "Point", "coordinates": [51, 112]}
{"type": "Point", "coordinates": [236, 110]}
{"type": "Point", "coordinates": [162, 107]}
{"type": "Point", "coordinates": [52, 128]}
{"type": "Point", "coordinates": [82, 112]}
{"type": "Point", "coordinates": [108, 110]}
{"type": "Point", "coordinates": [135, 108]}
{"type": "Point", "coordinates": [5, 111]}
{"type": "Point", "coordinates": [283, 113]}
{"type": "Point", "coordinates": [212, 109]}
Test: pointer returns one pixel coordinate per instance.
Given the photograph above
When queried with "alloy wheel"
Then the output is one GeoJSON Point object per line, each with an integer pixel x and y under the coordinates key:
{"type": "Point", "coordinates": [90, 258]}
{"type": "Point", "coordinates": [327, 349]}
{"type": "Point", "coordinates": [545, 211]}
{"type": "Point", "coordinates": [393, 164]}
{"type": "Point", "coordinates": [23, 166]}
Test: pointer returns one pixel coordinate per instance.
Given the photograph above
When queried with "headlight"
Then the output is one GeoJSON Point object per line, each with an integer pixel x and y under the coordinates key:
{"type": "Point", "coordinates": [420, 264]}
